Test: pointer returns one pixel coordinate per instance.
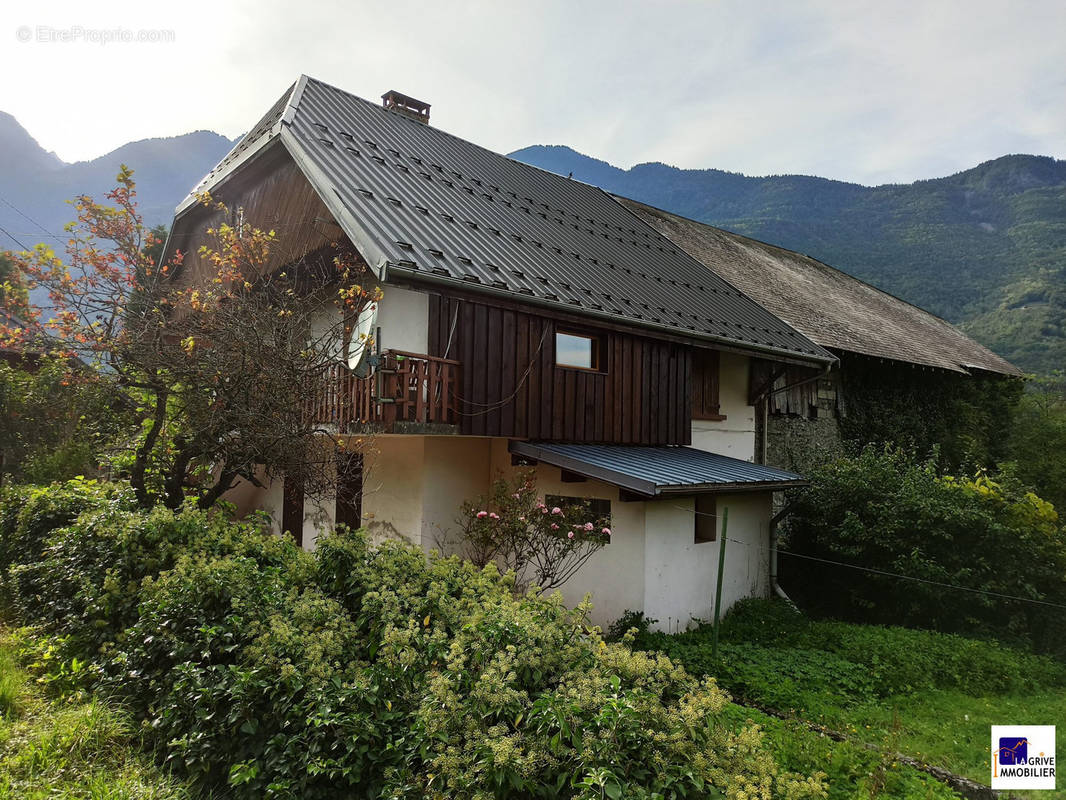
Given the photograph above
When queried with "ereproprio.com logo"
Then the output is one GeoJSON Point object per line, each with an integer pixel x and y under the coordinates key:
{"type": "Point", "coordinates": [1023, 756]}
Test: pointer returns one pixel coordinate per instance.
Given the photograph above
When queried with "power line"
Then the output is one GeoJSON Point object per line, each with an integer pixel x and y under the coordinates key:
{"type": "Point", "coordinates": [13, 238]}
{"type": "Point", "coordinates": [26, 216]}
{"type": "Point", "coordinates": [898, 575]}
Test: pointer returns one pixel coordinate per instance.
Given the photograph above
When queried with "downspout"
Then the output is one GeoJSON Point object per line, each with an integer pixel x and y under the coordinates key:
{"type": "Point", "coordinates": [775, 587]}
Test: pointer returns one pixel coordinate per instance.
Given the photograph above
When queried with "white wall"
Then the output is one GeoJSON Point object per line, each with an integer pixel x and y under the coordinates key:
{"type": "Point", "coordinates": [457, 468]}
{"type": "Point", "coordinates": [403, 317]}
{"type": "Point", "coordinates": [735, 435]}
{"type": "Point", "coordinates": [680, 575]}
{"type": "Point", "coordinates": [393, 471]}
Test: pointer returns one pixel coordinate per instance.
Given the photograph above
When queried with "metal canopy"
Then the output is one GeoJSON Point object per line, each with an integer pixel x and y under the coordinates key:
{"type": "Point", "coordinates": [653, 471]}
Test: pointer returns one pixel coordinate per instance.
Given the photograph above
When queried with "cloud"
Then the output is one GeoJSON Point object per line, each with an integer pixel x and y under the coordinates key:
{"type": "Point", "coordinates": [863, 91]}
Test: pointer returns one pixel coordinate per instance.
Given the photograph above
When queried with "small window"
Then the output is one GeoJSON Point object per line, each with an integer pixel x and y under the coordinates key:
{"type": "Point", "coordinates": [706, 518]}
{"type": "Point", "coordinates": [577, 350]}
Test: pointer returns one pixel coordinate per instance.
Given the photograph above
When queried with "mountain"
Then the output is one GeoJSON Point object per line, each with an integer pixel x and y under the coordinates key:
{"type": "Point", "coordinates": [985, 249]}
{"type": "Point", "coordinates": [35, 185]}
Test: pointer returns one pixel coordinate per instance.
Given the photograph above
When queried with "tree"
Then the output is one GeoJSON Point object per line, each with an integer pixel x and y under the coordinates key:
{"type": "Point", "coordinates": [511, 526]}
{"type": "Point", "coordinates": [219, 365]}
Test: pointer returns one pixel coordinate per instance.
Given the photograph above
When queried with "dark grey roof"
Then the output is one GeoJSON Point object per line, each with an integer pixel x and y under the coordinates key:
{"type": "Point", "coordinates": [829, 306]}
{"type": "Point", "coordinates": [423, 205]}
{"type": "Point", "coordinates": [659, 470]}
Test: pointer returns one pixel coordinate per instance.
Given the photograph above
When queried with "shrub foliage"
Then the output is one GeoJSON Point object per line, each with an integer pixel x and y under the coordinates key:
{"type": "Point", "coordinates": [367, 671]}
{"type": "Point", "coordinates": [882, 510]}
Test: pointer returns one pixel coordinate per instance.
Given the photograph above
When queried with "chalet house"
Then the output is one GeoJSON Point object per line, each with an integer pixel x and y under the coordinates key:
{"type": "Point", "coordinates": [527, 320]}
{"type": "Point", "coordinates": [871, 332]}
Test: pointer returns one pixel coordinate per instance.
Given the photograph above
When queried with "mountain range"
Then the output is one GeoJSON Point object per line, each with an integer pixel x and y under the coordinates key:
{"type": "Point", "coordinates": [985, 249]}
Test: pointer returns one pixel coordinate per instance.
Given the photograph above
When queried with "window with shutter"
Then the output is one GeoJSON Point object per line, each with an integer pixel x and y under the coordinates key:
{"type": "Point", "coordinates": [705, 371]}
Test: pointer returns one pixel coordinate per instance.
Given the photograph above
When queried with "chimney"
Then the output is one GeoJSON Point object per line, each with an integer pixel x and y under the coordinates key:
{"type": "Point", "coordinates": [408, 106]}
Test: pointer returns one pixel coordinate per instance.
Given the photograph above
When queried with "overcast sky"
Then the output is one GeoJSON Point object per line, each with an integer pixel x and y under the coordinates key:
{"type": "Point", "coordinates": [871, 92]}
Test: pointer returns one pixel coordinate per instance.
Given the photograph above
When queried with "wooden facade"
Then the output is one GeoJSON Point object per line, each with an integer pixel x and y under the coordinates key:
{"type": "Point", "coordinates": [511, 386]}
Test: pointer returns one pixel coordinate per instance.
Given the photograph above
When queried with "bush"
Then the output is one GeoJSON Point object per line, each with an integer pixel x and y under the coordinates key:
{"type": "Point", "coordinates": [884, 511]}
{"type": "Point", "coordinates": [771, 655]}
{"type": "Point", "coordinates": [374, 671]}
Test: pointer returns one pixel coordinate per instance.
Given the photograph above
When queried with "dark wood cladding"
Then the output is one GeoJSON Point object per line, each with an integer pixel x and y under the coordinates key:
{"type": "Point", "coordinates": [272, 194]}
{"type": "Point", "coordinates": [511, 386]}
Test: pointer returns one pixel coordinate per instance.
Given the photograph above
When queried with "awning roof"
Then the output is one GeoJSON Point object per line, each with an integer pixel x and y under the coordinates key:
{"type": "Point", "coordinates": [652, 471]}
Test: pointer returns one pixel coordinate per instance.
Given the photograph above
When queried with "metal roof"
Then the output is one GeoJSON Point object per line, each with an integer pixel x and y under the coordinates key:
{"type": "Point", "coordinates": [830, 307]}
{"type": "Point", "coordinates": [654, 471]}
{"type": "Point", "coordinates": [425, 206]}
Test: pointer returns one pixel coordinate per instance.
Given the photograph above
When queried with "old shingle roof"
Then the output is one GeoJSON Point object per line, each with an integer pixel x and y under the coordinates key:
{"type": "Point", "coordinates": [426, 206]}
{"type": "Point", "coordinates": [834, 309]}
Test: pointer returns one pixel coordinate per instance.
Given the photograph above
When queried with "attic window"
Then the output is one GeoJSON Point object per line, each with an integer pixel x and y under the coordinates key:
{"type": "Point", "coordinates": [579, 351]}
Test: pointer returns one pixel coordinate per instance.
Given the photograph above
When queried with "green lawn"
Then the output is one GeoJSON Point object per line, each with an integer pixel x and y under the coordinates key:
{"type": "Point", "coordinates": [68, 750]}
{"type": "Point", "coordinates": [949, 728]}
{"type": "Point", "coordinates": [926, 695]}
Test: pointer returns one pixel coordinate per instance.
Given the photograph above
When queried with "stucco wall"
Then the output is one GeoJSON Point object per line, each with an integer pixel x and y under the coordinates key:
{"type": "Point", "coordinates": [457, 468]}
{"type": "Point", "coordinates": [403, 317]}
{"type": "Point", "coordinates": [393, 472]}
{"type": "Point", "coordinates": [680, 575]}
{"type": "Point", "coordinates": [735, 435]}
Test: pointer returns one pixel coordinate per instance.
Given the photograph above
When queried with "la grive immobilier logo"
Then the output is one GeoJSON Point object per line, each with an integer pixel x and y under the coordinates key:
{"type": "Point", "coordinates": [1023, 756]}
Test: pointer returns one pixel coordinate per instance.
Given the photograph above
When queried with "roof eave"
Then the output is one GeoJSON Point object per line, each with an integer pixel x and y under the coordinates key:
{"type": "Point", "coordinates": [416, 275]}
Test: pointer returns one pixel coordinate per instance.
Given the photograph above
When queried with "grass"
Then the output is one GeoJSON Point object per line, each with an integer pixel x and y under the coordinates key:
{"type": "Point", "coordinates": [854, 772]}
{"type": "Point", "coordinates": [949, 728]}
{"type": "Point", "coordinates": [929, 696]}
{"type": "Point", "coordinates": [69, 750]}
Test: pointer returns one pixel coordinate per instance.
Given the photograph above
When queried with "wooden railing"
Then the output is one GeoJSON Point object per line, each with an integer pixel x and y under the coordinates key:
{"type": "Point", "coordinates": [405, 387]}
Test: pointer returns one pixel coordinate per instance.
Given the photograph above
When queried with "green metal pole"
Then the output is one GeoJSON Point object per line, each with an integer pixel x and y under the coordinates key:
{"type": "Point", "coordinates": [718, 588]}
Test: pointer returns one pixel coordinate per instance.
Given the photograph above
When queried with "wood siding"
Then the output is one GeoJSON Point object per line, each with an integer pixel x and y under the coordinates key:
{"type": "Point", "coordinates": [511, 386]}
{"type": "Point", "coordinates": [271, 195]}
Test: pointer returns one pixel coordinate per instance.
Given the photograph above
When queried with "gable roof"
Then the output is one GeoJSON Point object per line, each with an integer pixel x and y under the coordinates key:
{"type": "Point", "coordinates": [424, 206]}
{"type": "Point", "coordinates": [830, 307]}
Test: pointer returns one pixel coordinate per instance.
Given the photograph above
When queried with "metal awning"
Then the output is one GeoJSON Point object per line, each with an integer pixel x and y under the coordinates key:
{"type": "Point", "coordinates": [653, 471]}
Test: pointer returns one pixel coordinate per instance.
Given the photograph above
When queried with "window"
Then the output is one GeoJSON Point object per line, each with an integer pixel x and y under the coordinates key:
{"type": "Point", "coordinates": [706, 518]}
{"type": "Point", "coordinates": [598, 510]}
{"type": "Point", "coordinates": [705, 367]}
{"type": "Point", "coordinates": [578, 350]}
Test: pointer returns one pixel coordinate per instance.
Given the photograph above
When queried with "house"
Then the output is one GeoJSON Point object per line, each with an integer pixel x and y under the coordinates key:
{"type": "Point", "coordinates": [528, 321]}
{"type": "Point", "coordinates": [883, 344]}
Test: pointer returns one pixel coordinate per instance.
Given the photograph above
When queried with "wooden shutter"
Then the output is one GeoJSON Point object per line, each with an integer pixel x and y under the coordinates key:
{"type": "Point", "coordinates": [705, 372]}
{"type": "Point", "coordinates": [292, 510]}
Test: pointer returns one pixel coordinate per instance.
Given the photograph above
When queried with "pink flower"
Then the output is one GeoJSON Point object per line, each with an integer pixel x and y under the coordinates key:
{"type": "Point", "coordinates": [521, 519]}
{"type": "Point", "coordinates": [541, 505]}
{"type": "Point", "coordinates": [494, 515]}
{"type": "Point", "coordinates": [588, 526]}
{"type": "Point", "coordinates": [482, 514]}
{"type": "Point", "coordinates": [557, 510]}
{"type": "Point", "coordinates": [555, 527]}
{"type": "Point", "coordinates": [570, 535]}
{"type": "Point", "coordinates": [543, 509]}
{"type": "Point", "coordinates": [515, 496]}
{"type": "Point", "coordinates": [606, 531]}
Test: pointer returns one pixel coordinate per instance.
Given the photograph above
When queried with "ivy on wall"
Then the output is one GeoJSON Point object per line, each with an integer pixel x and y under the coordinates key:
{"type": "Point", "coordinates": [966, 417]}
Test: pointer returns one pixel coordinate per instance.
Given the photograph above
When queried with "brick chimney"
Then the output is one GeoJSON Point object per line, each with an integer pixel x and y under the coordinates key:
{"type": "Point", "coordinates": [408, 106]}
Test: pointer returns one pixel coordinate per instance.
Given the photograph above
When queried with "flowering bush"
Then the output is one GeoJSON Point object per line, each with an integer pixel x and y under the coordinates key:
{"type": "Point", "coordinates": [543, 545]}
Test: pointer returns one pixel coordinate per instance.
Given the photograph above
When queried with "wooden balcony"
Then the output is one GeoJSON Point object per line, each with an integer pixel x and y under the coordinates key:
{"type": "Point", "coordinates": [407, 393]}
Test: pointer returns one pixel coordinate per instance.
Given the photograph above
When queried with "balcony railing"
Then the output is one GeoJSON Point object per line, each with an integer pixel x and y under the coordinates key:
{"type": "Point", "coordinates": [406, 390]}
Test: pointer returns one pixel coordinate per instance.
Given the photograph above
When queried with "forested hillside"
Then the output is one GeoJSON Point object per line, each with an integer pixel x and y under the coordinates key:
{"type": "Point", "coordinates": [985, 248]}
